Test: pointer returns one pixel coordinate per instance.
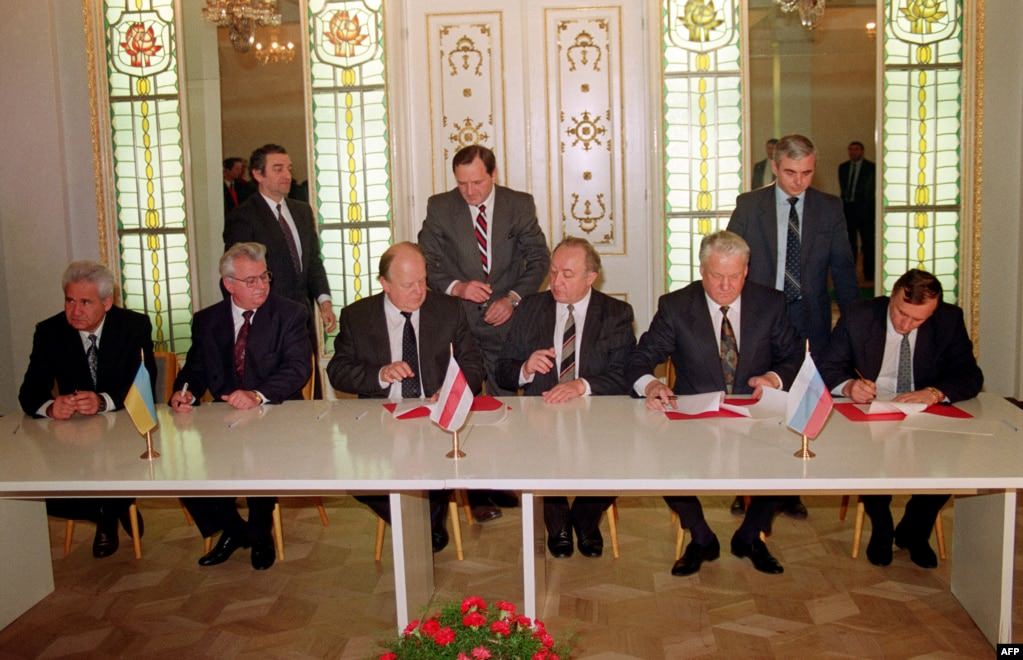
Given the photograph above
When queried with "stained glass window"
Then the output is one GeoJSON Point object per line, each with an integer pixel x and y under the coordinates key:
{"type": "Point", "coordinates": [149, 178]}
{"type": "Point", "coordinates": [702, 127]}
{"type": "Point", "coordinates": [350, 141]}
{"type": "Point", "coordinates": [922, 140]}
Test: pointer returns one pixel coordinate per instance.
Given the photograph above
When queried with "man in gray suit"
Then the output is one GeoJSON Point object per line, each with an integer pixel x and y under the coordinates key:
{"type": "Point", "coordinates": [761, 172]}
{"type": "Point", "coordinates": [484, 245]}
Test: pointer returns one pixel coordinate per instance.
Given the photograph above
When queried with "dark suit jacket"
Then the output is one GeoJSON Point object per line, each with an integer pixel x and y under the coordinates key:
{"type": "Point", "coordinates": [942, 358]}
{"type": "Point", "coordinates": [682, 330]}
{"type": "Point", "coordinates": [607, 341]}
{"type": "Point", "coordinates": [254, 221]}
{"type": "Point", "coordinates": [58, 356]}
{"type": "Point", "coordinates": [277, 361]}
{"type": "Point", "coordinates": [243, 189]}
{"type": "Point", "coordinates": [862, 206]}
{"type": "Point", "coordinates": [762, 174]}
{"type": "Point", "coordinates": [824, 247]}
{"type": "Point", "coordinates": [362, 346]}
{"type": "Point", "coordinates": [519, 254]}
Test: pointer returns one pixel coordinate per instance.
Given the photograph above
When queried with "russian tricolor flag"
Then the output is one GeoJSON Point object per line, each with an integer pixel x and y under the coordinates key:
{"type": "Point", "coordinates": [809, 402]}
{"type": "Point", "coordinates": [455, 400]}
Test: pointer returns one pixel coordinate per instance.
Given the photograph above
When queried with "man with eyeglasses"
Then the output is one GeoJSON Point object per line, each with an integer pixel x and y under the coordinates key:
{"type": "Point", "coordinates": [249, 350]}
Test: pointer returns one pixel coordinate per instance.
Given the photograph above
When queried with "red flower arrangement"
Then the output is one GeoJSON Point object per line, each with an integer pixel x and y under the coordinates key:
{"type": "Point", "coordinates": [471, 631]}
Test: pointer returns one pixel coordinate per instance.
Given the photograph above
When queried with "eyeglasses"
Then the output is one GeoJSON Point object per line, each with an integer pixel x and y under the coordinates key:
{"type": "Point", "coordinates": [251, 282]}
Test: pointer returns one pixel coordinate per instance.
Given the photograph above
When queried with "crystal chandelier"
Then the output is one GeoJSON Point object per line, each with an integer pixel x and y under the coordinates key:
{"type": "Point", "coordinates": [276, 51]}
{"type": "Point", "coordinates": [241, 18]}
{"type": "Point", "coordinates": [810, 11]}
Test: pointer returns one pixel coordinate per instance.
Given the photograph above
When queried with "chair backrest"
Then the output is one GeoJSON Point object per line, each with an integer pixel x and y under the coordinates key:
{"type": "Point", "coordinates": [307, 389]}
{"type": "Point", "coordinates": [666, 370]}
{"type": "Point", "coordinates": [166, 372]}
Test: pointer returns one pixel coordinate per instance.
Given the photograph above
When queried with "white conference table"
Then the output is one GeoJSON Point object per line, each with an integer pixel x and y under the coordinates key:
{"type": "Point", "coordinates": [603, 444]}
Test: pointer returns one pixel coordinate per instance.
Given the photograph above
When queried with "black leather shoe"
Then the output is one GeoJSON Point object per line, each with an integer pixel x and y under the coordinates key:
{"type": "Point", "coordinates": [504, 499]}
{"type": "Point", "coordinates": [738, 507]}
{"type": "Point", "coordinates": [695, 555]}
{"type": "Point", "coordinates": [560, 543]}
{"type": "Point", "coordinates": [879, 549]}
{"type": "Point", "coordinates": [758, 553]}
{"type": "Point", "coordinates": [105, 542]}
{"type": "Point", "coordinates": [125, 519]}
{"type": "Point", "coordinates": [223, 550]}
{"type": "Point", "coordinates": [263, 556]}
{"type": "Point", "coordinates": [482, 513]}
{"type": "Point", "coordinates": [439, 539]}
{"type": "Point", "coordinates": [920, 551]}
{"type": "Point", "coordinates": [795, 509]}
{"type": "Point", "coordinates": [590, 544]}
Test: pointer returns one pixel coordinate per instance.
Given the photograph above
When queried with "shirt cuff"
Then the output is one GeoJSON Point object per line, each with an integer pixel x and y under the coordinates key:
{"type": "Point", "coordinates": [323, 297]}
{"type": "Point", "coordinates": [110, 402]}
{"type": "Point", "coordinates": [841, 387]}
{"type": "Point", "coordinates": [522, 376]}
{"type": "Point", "coordinates": [641, 383]}
{"type": "Point", "coordinates": [450, 286]}
{"type": "Point", "coordinates": [586, 384]}
{"type": "Point", "coordinates": [43, 408]}
{"type": "Point", "coordinates": [262, 399]}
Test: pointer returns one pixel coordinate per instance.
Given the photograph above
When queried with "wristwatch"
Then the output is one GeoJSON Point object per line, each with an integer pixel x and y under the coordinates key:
{"type": "Point", "coordinates": [102, 403]}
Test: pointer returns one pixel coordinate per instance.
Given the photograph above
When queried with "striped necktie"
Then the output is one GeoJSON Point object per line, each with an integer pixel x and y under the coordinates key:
{"type": "Point", "coordinates": [480, 229]}
{"type": "Point", "coordinates": [567, 371]}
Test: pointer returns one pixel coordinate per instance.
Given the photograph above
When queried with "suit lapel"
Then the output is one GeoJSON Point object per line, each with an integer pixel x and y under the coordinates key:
{"type": "Point", "coordinates": [591, 331]}
{"type": "Point", "coordinates": [706, 354]}
{"type": "Point", "coordinates": [874, 350]}
{"type": "Point", "coordinates": [769, 209]}
{"type": "Point", "coordinates": [545, 324]}
{"type": "Point", "coordinates": [808, 233]}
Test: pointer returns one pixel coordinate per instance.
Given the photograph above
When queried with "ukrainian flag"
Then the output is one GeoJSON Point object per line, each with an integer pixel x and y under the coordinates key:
{"type": "Point", "coordinates": [139, 401]}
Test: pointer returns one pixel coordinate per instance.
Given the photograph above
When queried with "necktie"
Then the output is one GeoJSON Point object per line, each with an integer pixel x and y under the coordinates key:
{"type": "Point", "coordinates": [904, 382]}
{"type": "Point", "coordinates": [240, 342]}
{"type": "Point", "coordinates": [854, 169]}
{"type": "Point", "coordinates": [234, 193]}
{"type": "Point", "coordinates": [92, 355]}
{"type": "Point", "coordinates": [792, 266]}
{"type": "Point", "coordinates": [729, 350]}
{"type": "Point", "coordinates": [481, 237]}
{"type": "Point", "coordinates": [289, 238]}
{"type": "Point", "coordinates": [567, 371]}
{"type": "Point", "coordinates": [410, 355]}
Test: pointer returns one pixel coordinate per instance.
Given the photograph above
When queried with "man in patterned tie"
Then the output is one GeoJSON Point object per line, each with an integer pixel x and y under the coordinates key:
{"type": "Point", "coordinates": [484, 245]}
{"type": "Point", "coordinates": [719, 326]}
{"type": "Point", "coordinates": [565, 343]}
{"type": "Point", "coordinates": [83, 362]}
{"type": "Point", "coordinates": [911, 347]}
{"type": "Point", "coordinates": [249, 350]}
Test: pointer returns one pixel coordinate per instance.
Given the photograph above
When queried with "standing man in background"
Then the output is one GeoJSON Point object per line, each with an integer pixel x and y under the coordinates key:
{"type": "Point", "coordinates": [857, 178]}
{"type": "Point", "coordinates": [762, 173]}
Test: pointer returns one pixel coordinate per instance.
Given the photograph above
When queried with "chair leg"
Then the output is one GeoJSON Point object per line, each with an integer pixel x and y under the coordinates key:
{"type": "Point", "coordinates": [69, 534]}
{"type": "Point", "coordinates": [612, 525]}
{"type": "Point", "coordinates": [680, 534]}
{"type": "Point", "coordinates": [939, 532]}
{"type": "Point", "coordinates": [278, 532]}
{"type": "Point", "coordinates": [136, 540]}
{"type": "Point", "coordinates": [188, 516]}
{"type": "Point", "coordinates": [207, 544]}
{"type": "Point", "coordinates": [456, 529]}
{"type": "Point", "coordinates": [843, 508]}
{"type": "Point", "coordinates": [322, 511]}
{"type": "Point", "coordinates": [381, 529]}
{"type": "Point", "coordinates": [858, 530]}
{"type": "Point", "coordinates": [463, 496]}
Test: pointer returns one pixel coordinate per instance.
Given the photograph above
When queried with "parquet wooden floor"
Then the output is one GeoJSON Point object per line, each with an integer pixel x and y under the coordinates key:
{"type": "Point", "coordinates": [330, 600]}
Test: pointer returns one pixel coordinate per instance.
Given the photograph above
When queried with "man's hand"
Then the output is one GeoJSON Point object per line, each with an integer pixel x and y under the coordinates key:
{"type": "Point", "coordinates": [565, 391]}
{"type": "Point", "coordinates": [928, 396]}
{"type": "Point", "coordinates": [540, 362]}
{"type": "Point", "coordinates": [327, 315]}
{"type": "Point", "coordinates": [474, 290]}
{"type": "Point", "coordinates": [62, 407]}
{"type": "Point", "coordinates": [242, 399]}
{"type": "Point", "coordinates": [861, 390]}
{"type": "Point", "coordinates": [181, 402]}
{"type": "Point", "coordinates": [758, 383]}
{"type": "Point", "coordinates": [395, 372]}
{"type": "Point", "coordinates": [659, 396]}
{"type": "Point", "coordinates": [499, 311]}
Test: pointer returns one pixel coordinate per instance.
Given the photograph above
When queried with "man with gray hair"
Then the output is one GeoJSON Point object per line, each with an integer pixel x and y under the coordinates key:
{"type": "Point", "coordinates": [83, 362]}
{"type": "Point", "coordinates": [723, 334]}
{"type": "Point", "coordinates": [249, 350]}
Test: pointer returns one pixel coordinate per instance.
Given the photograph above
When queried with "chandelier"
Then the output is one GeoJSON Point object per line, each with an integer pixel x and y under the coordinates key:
{"type": "Point", "coordinates": [810, 11]}
{"type": "Point", "coordinates": [276, 51]}
{"type": "Point", "coordinates": [241, 18]}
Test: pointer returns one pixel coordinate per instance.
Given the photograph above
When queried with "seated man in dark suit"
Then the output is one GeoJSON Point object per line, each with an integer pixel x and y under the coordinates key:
{"type": "Point", "coordinates": [911, 347]}
{"type": "Point", "coordinates": [91, 352]}
{"type": "Point", "coordinates": [565, 343]}
{"type": "Point", "coordinates": [723, 334]}
{"type": "Point", "coordinates": [396, 345]}
{"type": "Point", "coordinates": [248, 350]}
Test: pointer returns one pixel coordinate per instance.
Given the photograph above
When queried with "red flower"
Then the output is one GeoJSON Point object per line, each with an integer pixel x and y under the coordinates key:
{"type": "Point", "coordinates": [430, 627]}
{"type": "Point", "coordinates": [411, 627]}
{"type": "Point", "coordinates": [501, 628]}
{"type": "Point", "coordinates": [524, 621]}
{"type": "Point", "coordinates": [546, 640]}
{"type": "Point", "coordinates": [462, 656]}
{"type": "Point", "coordinates": [474, 620]}
{"type": "Point", "coordinates": [444, 636]}
{"type": "Point", "coordinates": [505, 606]}
{"type": "Point", "coordinates": [389, 656]}
{"type": "Point", "coordinates": [480, 653]}
{"type": "Point", "coordinates": [473, 602]}
{"type": "Point", "coordinates": [540, 655]}
{"type": "Point", "coordinates": [539, 626]}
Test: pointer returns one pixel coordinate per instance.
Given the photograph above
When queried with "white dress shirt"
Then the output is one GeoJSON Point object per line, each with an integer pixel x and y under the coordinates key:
{"type": "Point", "coordinates": [395, 337]}
{"type": "Point", "coordinates": [560, 321]}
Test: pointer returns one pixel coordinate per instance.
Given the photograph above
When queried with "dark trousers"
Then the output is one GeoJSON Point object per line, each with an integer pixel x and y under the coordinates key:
{"type": "Point", "coordinates": [917, 521]}
{"type": "Point", "coordinates": [861, 221]}
{"type": "Point", "coordinates": [758, 515]}
{"type": "Point", "coordinates": [381, 505]}
{"type": "Point", "coordinates": [89, 508]}
{"type": "Point", "coordinates": [584, 514]}
{"type": "Point", "coordinates": [212, 514]}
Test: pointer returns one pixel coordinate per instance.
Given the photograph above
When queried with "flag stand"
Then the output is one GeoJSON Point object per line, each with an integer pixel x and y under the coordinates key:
{"type": "Point", "coordinates": [455, 452]}
{"type": "Point", "coordinates": [149, 453]}
{"type": "Point", "coordinates": [805, 453]}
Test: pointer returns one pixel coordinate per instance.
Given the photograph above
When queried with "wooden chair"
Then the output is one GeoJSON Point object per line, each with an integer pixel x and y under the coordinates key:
{"type": "Point", "coordinates": [612, 528]}
{"type": "Point", "coordinates": [456, 531]}
{"type": "Point", "coordinates": [136, 539]}
{"type": "Point", "coordinates": [939, 529]}
{"type": "Point", "coordinates": [166, 373]}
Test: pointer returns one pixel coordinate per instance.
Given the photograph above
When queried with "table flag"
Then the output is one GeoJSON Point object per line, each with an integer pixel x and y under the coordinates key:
{"type": "Point", "coordinates": [809, 402]}
{"type": "Point", "coordinates": [139, 401]}
{"type": "Point", "coordinates": [455, 399]}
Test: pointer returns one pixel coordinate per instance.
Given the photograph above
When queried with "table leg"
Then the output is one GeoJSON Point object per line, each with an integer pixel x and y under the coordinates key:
{"type": "Point", "coordinates": [26, 572]}
{"type": "Point", "coordinates": [534, 555]}
{"type": "Point", "coordinates": [413, 554]}
{"type": "Point", "coordinates": [982, 561]}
